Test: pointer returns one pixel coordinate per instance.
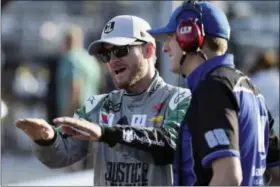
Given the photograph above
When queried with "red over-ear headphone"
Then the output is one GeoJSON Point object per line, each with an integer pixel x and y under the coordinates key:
{"type": "Point", "coordinates": [190, 33]}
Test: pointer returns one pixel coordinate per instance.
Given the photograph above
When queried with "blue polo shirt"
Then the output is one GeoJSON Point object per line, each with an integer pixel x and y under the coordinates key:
{"type": "Point", "coordinates": [227, 117]}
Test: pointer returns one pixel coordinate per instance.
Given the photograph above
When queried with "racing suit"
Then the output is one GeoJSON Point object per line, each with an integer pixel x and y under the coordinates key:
{"type": "Point", "coordinates": [139, 135]}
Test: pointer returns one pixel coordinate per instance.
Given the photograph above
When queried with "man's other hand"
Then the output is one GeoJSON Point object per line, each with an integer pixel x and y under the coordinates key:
{"type": "Point", "coordinates": [86, 130]}
{"type": "Point", "coordinates": [36, 129]}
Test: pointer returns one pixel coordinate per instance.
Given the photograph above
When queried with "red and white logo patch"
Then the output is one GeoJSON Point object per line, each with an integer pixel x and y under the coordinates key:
{"type": "Point", "coordinates": [106, 119]}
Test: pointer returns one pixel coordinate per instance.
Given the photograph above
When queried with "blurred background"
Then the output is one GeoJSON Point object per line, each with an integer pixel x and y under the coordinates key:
{"type": "Point", "coordinates": [39, 55]}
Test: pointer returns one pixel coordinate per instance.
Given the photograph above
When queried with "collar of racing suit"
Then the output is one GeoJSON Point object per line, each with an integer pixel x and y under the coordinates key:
{"type": "Point", "coordinates": [139, 99]}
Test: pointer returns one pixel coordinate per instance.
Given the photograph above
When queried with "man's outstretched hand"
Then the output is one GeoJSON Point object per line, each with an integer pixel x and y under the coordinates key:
{"type": "Point", "coordinates": [36, 129]}
{"type": "Point", "coordinates": [92, 131]}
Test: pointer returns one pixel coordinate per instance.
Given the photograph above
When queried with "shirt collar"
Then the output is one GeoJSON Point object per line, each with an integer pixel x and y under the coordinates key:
{"type": "Point", "coordinates": [199, 73]}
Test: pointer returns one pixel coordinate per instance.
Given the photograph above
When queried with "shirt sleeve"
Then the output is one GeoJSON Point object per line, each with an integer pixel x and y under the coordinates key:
{"type": "Point", "coordinates": [62, 151]}
{"type": "Point", "coordinates": [66, 67]}
{"type": "Point", "coordinates": [213, 121]}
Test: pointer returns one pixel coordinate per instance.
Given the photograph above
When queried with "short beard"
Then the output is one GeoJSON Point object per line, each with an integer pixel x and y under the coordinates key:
{"type": "Point", "coordinates": [137, 74]}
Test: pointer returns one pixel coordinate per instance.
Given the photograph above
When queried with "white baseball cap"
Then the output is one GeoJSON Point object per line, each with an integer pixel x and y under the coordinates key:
{"type": "Point", "coordinates": [123, 30]}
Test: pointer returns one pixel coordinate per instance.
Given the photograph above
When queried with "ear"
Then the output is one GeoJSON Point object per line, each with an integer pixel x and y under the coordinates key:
{"type": "Point", "coordinates": [165, 46]}
{"type": "Point", "coordinates": [148, 50]}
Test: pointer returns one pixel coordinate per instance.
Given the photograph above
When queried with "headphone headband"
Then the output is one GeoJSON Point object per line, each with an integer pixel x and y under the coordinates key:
{"type": "Point", "coordinates": [193, 6]}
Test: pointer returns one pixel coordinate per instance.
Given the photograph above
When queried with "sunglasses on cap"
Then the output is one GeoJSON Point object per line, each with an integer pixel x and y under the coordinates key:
{"type": "Point", "coordinates": [118, 51]}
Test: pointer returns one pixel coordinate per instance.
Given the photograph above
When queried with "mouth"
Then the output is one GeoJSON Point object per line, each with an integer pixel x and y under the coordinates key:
{"type": "Point", "coordinates": [119, 71]}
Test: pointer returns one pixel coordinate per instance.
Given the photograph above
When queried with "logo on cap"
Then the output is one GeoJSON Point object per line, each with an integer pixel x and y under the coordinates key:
{"type": "Point", "coordinates": [109, 27]}
{"type": "Point", "coordinates": [186, 30]}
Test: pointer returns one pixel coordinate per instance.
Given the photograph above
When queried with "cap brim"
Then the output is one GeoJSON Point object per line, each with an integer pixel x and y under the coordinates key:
{"type": "Point", "coordinates": [94, 47]}
{"type": "Point", "coordinates": [160, 33]}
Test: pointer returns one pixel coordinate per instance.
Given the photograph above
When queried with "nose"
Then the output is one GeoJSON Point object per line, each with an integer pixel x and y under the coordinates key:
{"type": "Point", "coordinates": [113, 59]}
{"type": "Point", "coordinates": [165, 47]}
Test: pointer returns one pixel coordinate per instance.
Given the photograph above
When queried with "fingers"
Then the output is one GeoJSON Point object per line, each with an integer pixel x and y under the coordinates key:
{"type": "Point", "coordinates": [35, 128]}
{"type": "Point", "coordinates": [68, 130]}
{"type": "Point", "coordinates": [73, 122]}
{"type": "Point", "coordinates": [82, 127]}
{"type": "Point", "coordinates": [31, 121]}
{"type": "Point", "coordinates": [44, 134]}
{"type": "Point", "coordinates": [30, 124]}
{"type": "Point", "coordinates": [19, 123]}
{"type": "Point", "coordinates": [74, 133]}
{"type": "Point", "coordinates": [65, 120]}
{"type": "Point", "coordinates": [23, 124]}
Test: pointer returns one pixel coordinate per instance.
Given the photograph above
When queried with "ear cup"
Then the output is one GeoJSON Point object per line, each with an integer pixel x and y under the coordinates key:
{"type": "Point", "coordinates": [189, 35]}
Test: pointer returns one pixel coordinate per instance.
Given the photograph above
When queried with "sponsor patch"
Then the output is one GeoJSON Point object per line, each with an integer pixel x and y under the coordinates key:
{"type": "Point", "coordinates": [138, 120]}
{"type": "Point", "coordinates": [158, 107]}
{"type": "Point", "coordinates": [216, 137]}
{"type": "Point", "coordinates": [126, 174]}
{"type": "Point", "coordinates": [106, 119]}
{"type": "Point", "coordinates": [128, 136]}
{"type": "Point", "coordinates": [186, 30]}
{"type": "Point", "coordinates": [178, 97]}
{"type": "Point", "coordinates": [92, 101]}
{"type": "Point", "coordinates": [110, 106]}
{"type": "Point", "coordinates": [156, 119]}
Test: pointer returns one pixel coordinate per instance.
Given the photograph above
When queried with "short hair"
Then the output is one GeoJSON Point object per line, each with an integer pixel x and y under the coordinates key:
{"type": "Point", "coordinates": [154, 55]}
{"type": "Point", "coordinates": [74, 34]}
{"type": "Point", "coordinates": [216, 44]}
{"type": "Point", "coordinates": [267, 59]}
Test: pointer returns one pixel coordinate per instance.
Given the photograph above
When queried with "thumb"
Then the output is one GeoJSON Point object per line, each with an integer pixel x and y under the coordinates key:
{"type": "Point", "coordinates": [68, 130]}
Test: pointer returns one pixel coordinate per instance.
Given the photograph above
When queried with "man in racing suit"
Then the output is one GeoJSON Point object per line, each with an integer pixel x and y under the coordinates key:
{"type": "Point", "coordinates": [135, 126]}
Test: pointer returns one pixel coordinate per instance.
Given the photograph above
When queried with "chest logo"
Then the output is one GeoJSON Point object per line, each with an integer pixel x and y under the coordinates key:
{"type": "Point", "coordinates": [156, 119]}
{"type": "Point", "coordinates": [92, 102]}
{"type": "Point", "coordinates": [178, 97]}
{"type": "Point", "coordinates": [138, 120]}
{"type": "Point", "coordinates": [158, 107]}
{"type": "Point", "coordinates": [106, 119]}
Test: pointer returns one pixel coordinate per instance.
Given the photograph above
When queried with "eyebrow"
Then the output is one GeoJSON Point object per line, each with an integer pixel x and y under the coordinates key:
{"type": "Point", "coordinates": [105, 46]}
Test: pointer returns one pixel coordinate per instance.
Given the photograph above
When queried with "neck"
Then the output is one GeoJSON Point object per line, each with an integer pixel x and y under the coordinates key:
{"type": "Point", "coordinates": [73, 45]}
{"type": "Point", "coordinates": [193, 60]}
{"type": "Point", "coordinates": [143, 83]}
